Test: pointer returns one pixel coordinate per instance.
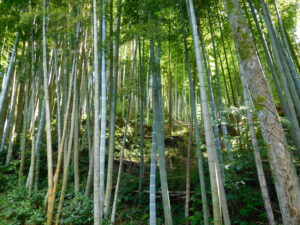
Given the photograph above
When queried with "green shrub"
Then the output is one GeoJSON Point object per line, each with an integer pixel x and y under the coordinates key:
{"type": "Point", "coordinates": [17, 208]}
{"type": "Point", "coordinates": [77, 210]}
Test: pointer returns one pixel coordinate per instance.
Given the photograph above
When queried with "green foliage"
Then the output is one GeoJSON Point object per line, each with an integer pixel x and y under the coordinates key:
{"type": "Point", "coordinates": [8, 174]}
{"type": "Point", "coordinates": [243, 191]}
{"type": "Point", "coordinates": [160, 20]}
{"type": "Point", "coordinates": [77, 210]}
{"type": "Point", "coordinates": [196, 218]}
{"type": "Point", "coordinates": [16, 208]}
{"type": "Point", "coordinates": [128, 210]}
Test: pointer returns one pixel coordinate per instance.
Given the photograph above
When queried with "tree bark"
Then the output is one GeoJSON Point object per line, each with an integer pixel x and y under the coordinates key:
{"type": "Point", "coordinates": [258, 162]}
{"type": "Point", "coordinates": [283, 170]}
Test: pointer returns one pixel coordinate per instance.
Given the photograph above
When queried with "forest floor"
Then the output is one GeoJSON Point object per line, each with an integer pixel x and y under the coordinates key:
{"type": "Point", "coordinates": [243, 193]}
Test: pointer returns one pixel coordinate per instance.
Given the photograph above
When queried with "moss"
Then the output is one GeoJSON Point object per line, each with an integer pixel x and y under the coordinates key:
{"type": "Point", "coordinates": [246, 48]}
{"type": "Point", "coordinates": [230, 6]}
{"type": "Point", "coordinates": [268, 147]}
{"type": "Point", "coordinates": [243, 38]}
{"type": "Point", "coordinates": [259, 102]}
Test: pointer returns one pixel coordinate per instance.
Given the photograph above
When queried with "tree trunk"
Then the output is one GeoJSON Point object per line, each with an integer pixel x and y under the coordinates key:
{"type": "Point", "coordinates": [8, 122]}
{"type": "Point", "coordinates": [88, 128]}
{"type": "Point", "coordinates": [103, 112]}
{"type": "Point", "coordinates": [212, 106]}
{"type": "Point", "coordinates": [196, 129]}
{"type": "Point", "coordinates": [68, 159]}
{"type": "Point", "coordinates": [258, 162]}
{"type": "Point", "coordinates": [287, 103]}
{"type": "Point", "coordinates": [12, 126]}
{"type": "Point", "coordinates": [284, 174]}
{"type": "Point", "coordinates": [6, 78]}
{"type": "Point", "coordinates": [114, 208]}
{"type": "Point", "coordinates": [170, 89]}
{"type": "Point", "coordinates": [36, 142]}
{"type": "Point", "coordinates": [188, 178]}
{"type": "Point", "coordinates": [113, 116]}
{"type": "Point", "coordinates": [23, 139]}
{"type": "Point", "coordinates": [96, 121]}
{"type": "Point", "coordinates": [48, 122]}
{"type": "Point", "coordinates": [219, 91]}
{"type": "Point", "coordinates": [58, 97]}
{"type": "Point", "coordinates": [76, 137]}
{"type": "Point", "coordinates": [142, 100]}
{"type": "Point", "coordinates": [214, 166]}
{"type": "Point", "coordinates": [152, 187]}
{"type": "Point", "coordinates": [160, 132]}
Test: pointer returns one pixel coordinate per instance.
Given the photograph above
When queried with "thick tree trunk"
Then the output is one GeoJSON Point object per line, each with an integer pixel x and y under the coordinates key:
{"type": "Point", "coordinates": [258, 162]}
{"type": "Point", "coordinates": [284, 174]}
{"type": "Point", "coordinates": [287, 103]}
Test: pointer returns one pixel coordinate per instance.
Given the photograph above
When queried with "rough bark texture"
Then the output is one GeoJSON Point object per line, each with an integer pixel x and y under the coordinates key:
{"type": "Point", "coordinates": [284, 174]}
{"type": "Point", "coordinates": [258, 161]}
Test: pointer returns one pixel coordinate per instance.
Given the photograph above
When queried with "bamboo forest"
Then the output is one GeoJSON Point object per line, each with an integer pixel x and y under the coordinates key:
{"type": "Point", "coordinates": [136, 112]}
